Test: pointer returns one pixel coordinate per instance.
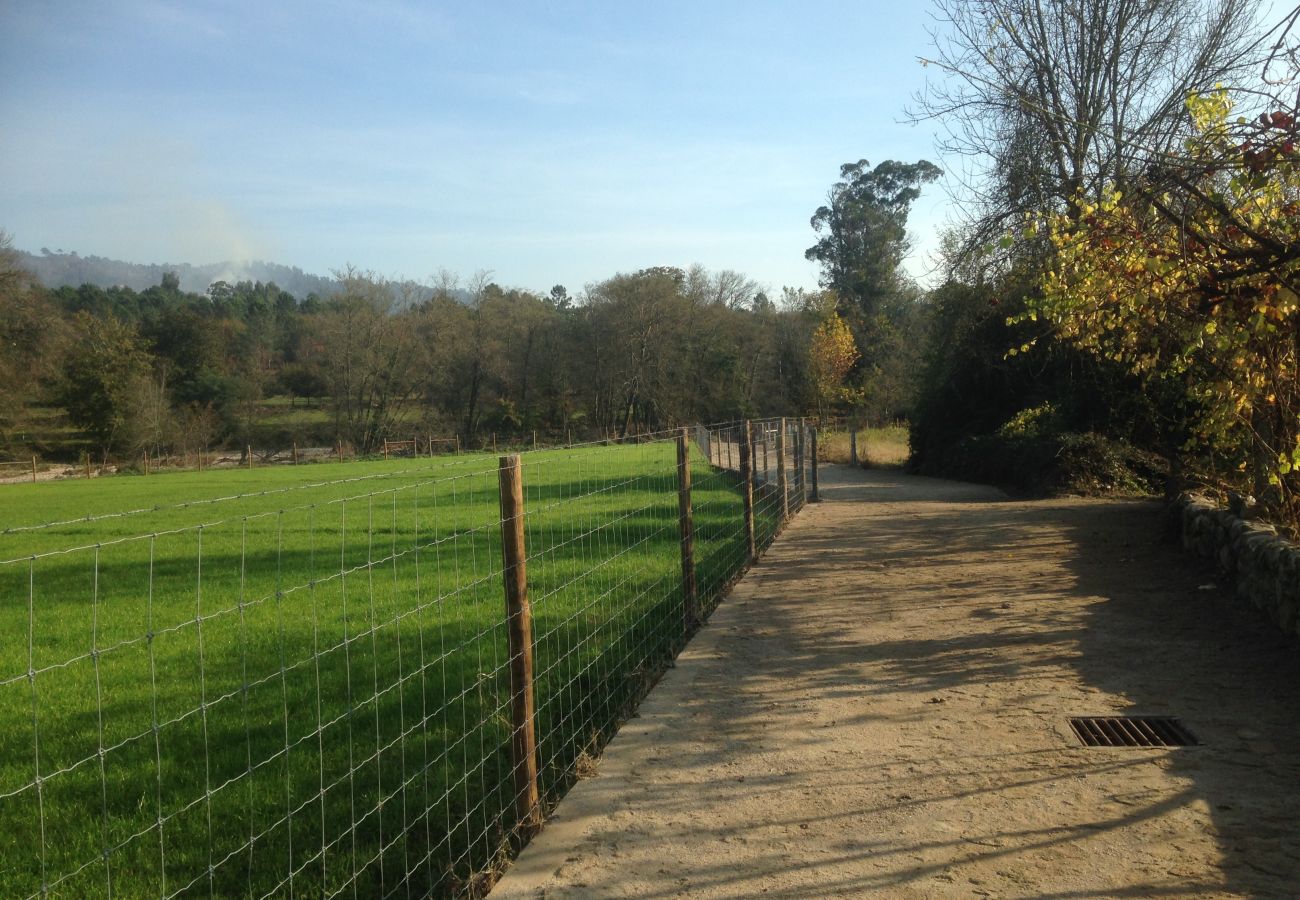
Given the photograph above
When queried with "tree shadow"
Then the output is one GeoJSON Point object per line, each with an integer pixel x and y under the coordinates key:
{"type": "Point", "coordinates": [1105, 618]}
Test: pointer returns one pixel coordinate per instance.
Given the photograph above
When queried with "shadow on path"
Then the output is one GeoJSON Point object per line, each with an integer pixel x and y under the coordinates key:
{"type": "Point", "coordinates": [881, 709]}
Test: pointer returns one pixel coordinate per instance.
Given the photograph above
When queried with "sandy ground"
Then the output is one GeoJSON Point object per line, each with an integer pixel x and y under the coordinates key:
{"type": "Point", "coordinates": [880, 708]}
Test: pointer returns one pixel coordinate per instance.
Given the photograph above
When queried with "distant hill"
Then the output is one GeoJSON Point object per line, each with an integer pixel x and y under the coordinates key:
{"type": "Point", "coordinates": [56, 269]}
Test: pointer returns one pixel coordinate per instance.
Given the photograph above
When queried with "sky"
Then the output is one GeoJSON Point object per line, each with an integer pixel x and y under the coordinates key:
{"type": "Point", "coordinates": [546, 143]}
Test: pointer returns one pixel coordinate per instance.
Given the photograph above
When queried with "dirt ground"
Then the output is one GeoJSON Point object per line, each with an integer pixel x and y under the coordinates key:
{"type": "Point", "coordinates": [879, 709]}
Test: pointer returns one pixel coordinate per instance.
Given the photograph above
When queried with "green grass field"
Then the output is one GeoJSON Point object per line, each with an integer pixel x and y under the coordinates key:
{"type": "Point", "coordinates": [303, 690]}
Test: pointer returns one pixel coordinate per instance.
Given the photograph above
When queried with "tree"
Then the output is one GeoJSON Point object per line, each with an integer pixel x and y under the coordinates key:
{"type": "Point", "coordinates": [831, 356]}
{"type": "Point", "coordinates": [31, 336]}
{"type": "Point", "coordinates": [101, 370]}
{"type": "Point", "coordinates": [635, 319]}
{"type": "Point", "coordinates": [1191, 279]}
{"type": "Point", "coordinates": [1050, 100]}
{"type": "Point", "coordinates": [370, 356]}
{"type": "Point", "coordinates": [862, 230]}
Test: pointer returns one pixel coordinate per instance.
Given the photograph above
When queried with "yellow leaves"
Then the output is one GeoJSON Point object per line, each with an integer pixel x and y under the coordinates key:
{"type": "Point", "coordinates": [831, 356]}
{"type": "Point", "coordinates": [1209, 108]}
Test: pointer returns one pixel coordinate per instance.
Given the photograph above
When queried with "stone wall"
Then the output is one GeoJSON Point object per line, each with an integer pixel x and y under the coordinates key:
{"type": "Point", "coordinates": [1264, 568]}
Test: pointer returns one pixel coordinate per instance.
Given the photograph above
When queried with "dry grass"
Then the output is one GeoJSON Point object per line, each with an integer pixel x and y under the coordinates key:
{"type": "Point", "coordinates": [878, 448]}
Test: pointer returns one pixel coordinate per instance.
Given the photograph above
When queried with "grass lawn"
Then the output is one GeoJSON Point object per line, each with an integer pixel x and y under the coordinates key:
{"type": "Point", "coordinates": [303, 690]}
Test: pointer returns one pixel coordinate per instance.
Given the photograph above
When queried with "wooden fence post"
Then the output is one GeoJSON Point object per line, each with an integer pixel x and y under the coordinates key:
{"type": "Point", "coordinates": [146, 462]}
{"type": "Point", "coordinates": [853, 444]}
{"type": "Point", "coordinates": [782, 481]}
{"type": "Point", "coordinates": [766, 468]}
{"type": "Point", "coordinates": [458, 443]}
{"type": "Point", "coordinates": [519, 630]}
{"type": "Point", "coordinates": [339, 445]}
{"type": "Point", "coordinates": [747, 487]}
{"type": "Point", "coordinates": [800, 494]}
{"type": "Point", "coordinates": [815, 498]}
{"type": "Point", "coordinates": [295, 453]}
{"type": "Point", "coordinates": [686, 524]}
{"type": "Point", "coordinates": [385, 450]}
{"type": "Point", "coordinates": [33, 468]}
{"type": "Point", "coordinates": [249, 450]}
{"type": "Point", "coordinates": [87, 465]}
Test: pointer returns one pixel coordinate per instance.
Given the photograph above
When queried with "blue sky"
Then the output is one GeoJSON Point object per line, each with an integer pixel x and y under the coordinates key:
{"type": "Point", "coordinates": [546, 142]}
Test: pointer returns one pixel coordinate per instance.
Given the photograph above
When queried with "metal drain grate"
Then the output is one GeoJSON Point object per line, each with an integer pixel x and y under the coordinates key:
{"type": "Point", "coordinates": [1131, 731]}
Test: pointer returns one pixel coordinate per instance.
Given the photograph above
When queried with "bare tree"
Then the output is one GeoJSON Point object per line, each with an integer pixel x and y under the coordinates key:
{"type": "Point", "coordinates": [371, 358]}
{"type": "Point", "coordinates": [1050, 99]}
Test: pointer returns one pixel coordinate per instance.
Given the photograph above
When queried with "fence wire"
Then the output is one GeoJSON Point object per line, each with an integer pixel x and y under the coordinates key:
{"type": "Point", "coordinates": [316, 699]}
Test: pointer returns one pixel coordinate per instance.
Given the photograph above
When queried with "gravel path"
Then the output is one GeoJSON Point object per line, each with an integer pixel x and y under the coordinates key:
{"type": "Point", "coordinates": [879, 709]}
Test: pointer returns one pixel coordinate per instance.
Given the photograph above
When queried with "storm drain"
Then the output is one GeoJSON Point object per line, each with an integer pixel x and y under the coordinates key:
{"type": "Point", "coordinates": [1131, 731]}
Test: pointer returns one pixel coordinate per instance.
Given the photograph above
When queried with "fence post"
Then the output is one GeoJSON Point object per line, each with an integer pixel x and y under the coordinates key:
{"type": "Point", "coordinates": [87, 465]}
{"type": "Point", "coordinates": [747, 487]}
{"type": "Point", "coordinates": [730, 436]}
{"type": "Point", "coordinates": [385, 449]}
{"type": "Point", "coordinates": [766, 467]}
{"type": "Point", "coordinates": [519, 630]}
{"type": "Point", "coordinates": [686, 524]}
{"type": "Point", "coordinates": [853, 444]}
{"type": "Point", "coordinates": [458, 443]}
{"type": "Point", "coordinates": [146, 462]}
{"type": "Point", "coordinates": [801, 494]}
{"type": "Point", "coordinates": [816, 498]}
{"type": "Point", "coordinates": [33, 468]}
{"type": "Point", "coordinates": [339, 446]}
{"type": "Point", "coordinates": [782, 482]}
{"type": "Point", "coordinates": [295, 453]}
{"type": "Point", "coordinates": [249, 450]}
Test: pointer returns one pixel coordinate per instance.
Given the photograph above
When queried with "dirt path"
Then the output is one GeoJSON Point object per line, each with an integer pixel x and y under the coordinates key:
{"type": "Point", "coordinates": [879, 709]}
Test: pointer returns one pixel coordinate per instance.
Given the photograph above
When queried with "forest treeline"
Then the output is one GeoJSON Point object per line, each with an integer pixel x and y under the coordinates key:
{"type": "Point", "coordinates": [167, 371]}
{"type": "Point", "coordinates": [67, 268]}
{"type": "Point", "coordinates": [1117, 305]}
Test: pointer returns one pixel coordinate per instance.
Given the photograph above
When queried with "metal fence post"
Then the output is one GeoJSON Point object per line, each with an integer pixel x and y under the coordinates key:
{"type": "Point", "coordinates": [686, 524]}
{"type": "Point", "coordinates": [519, 629]}
{"type": "Point", "coordinates": [747, 486]}
{"type": "Point", "coordinates": [782, 480]}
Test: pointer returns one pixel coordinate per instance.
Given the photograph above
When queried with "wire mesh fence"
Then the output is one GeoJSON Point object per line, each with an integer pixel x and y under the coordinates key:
{"type": "Point", "coordinates": [318, 692]}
